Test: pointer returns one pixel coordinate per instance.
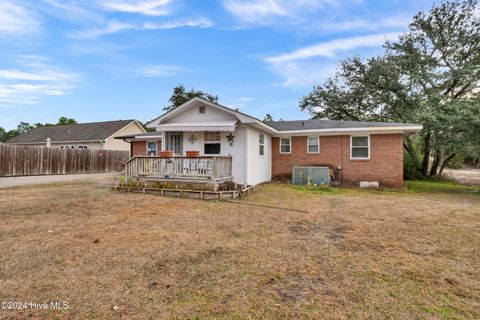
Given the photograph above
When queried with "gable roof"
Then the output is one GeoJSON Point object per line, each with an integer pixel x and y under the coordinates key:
{"type": "Point", "coordinates": [295, 126]}
{"type": "Point", "coordinates": [242, 117]}
{"type": "Point", "coordinates": [300, 125]}
{"type": "Point", "coordinates": [93, 131]}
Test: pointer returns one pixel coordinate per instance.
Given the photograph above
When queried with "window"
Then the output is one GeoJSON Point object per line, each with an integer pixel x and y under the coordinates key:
{"type": "Point", "coordinates": [360, 147]}
{"type": "Point", "coordinates": [285, 145]}
{"type": "Point", "coordinates": [313, 145]}
{"type": "Point", "coordinates": [83, 147]}
{"type": "Point", "coordinates": [67, 147]}
{"type": "Point", "coordinates": [174, 142]}
{"type": "Point", "coordinates": [212, 142]}
{"type": "Point", "coordinates": [152, 148]}
{"type": "Point", "coordinates": [261, 144]}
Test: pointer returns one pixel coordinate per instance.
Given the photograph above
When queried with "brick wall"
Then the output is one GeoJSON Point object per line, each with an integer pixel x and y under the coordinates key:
{"type": "Point", "coordinates": [385, 164]}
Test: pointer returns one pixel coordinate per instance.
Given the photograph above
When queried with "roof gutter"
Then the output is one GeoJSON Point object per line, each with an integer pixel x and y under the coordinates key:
{"type": "Point", "coordinates": [331, 131]}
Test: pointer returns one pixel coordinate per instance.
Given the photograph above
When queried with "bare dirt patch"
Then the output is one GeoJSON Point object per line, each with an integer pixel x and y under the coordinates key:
{"type": "Point", "coordinates": [350, 254]}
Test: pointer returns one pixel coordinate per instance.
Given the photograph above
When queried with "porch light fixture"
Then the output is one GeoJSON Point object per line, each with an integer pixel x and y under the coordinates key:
{"type": "Point", "coordinates": [230, 138]}
{"type": "Point", "coordinates": [192, 139]}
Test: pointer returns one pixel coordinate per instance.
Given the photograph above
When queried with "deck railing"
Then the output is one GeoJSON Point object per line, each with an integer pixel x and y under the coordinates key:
{"type": "Point", "coordinates": [214, 167]}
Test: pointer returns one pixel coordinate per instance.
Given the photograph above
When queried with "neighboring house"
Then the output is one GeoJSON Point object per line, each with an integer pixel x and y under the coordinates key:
{"type": "Point", "coordinates": [261, 152]}
{"type": "Point", "coordinates": [93, 135]}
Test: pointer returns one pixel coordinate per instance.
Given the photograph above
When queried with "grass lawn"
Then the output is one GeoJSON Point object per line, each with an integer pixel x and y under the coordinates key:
{"type": "Point", "coordinates": [344, 254]}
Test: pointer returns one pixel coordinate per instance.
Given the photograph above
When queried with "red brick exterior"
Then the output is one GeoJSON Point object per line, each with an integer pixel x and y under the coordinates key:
{"type": "Point", "coordinates": [385, 164]}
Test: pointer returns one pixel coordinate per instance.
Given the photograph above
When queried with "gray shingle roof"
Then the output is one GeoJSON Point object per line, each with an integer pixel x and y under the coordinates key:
{"type": "Point", "coordinates": [93, 131]}
{"type": "Point", "coordinates": [328, 124]}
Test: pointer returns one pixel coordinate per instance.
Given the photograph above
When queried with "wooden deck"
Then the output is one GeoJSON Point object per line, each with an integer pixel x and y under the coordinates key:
{"type": "Point", "coordinates": [215, 169]}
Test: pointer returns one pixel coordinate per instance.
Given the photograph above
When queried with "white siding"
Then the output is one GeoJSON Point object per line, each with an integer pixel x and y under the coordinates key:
{"type": "Point", "coordinates": [259, 168]}
{"type": "Point", "coordinates": [192, 115]}
{"type": "Point", "coordinates": [236, 150]}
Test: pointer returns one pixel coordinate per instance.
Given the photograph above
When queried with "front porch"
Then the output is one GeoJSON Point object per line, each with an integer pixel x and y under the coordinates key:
{"type": "Point", "coordinates": [193, 170]}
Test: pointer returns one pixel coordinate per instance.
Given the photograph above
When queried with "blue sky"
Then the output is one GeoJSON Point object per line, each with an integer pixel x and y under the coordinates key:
{"type": "Point", "coordinates": [118, 59]}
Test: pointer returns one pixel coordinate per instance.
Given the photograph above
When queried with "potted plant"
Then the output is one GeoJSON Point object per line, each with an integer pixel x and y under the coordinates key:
{"type": "Point", "coordinates": [166, 154]}
{"type": "Point", "coordinates": [193, 154]}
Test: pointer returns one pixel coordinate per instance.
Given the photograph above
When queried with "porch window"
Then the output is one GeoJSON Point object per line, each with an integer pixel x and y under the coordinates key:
{"type": "Point", "coordinates": [261, 144]}
{"type": "Point", "coordinates": [175, 142]}
{"type": "Point", "coordinates": [313, 145]}
{"type": "Point", "coordinates": [360, 147]}
{"type": "Point", "coordinates": [212, 142]}
{"type": "Point", "coordinates": [152, 148]}
{"type": "Point", "coordinates": [285, 145]}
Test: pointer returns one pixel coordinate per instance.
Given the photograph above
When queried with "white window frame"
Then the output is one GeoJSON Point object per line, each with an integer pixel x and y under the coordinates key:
{"type": "Point", "coordinates": [308, 144]}
{"type": "Point", "coordinates": [219, 141]}
{"type": "Point", "coordinates": [261, 144]}
{"type": "Point", "coordinates": [280, 145]}
{"type": "Point", "coordinates": [351, 146]}
{"type": "Point", "coordinates": [156, 147]}
{"type": "Point", "coordinates": [67, 147]}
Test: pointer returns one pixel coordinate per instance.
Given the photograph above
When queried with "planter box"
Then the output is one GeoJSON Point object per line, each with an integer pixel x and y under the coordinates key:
{"type": "Point", "coordinates": [166, 154]}
{"type": "Point", "coordinates": [193, 154]}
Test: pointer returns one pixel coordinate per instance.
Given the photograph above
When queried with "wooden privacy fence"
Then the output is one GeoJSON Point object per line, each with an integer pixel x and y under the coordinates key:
{"type": "Point", "coordinates": [31, 160]}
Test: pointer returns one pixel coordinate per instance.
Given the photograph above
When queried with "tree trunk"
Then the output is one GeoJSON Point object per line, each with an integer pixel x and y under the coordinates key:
{"type": "Point", "coordinates": [436, 162]}
{"type": "Point", "coordinates": [445, 162]}
{"type": "Point", "coordinates": [426, 154]}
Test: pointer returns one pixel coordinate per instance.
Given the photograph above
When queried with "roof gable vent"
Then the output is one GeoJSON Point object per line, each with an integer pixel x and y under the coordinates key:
{"type": "Point", "coordinates": [201, 109]}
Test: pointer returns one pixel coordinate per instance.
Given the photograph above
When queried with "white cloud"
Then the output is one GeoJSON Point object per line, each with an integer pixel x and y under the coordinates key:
{"type": "Point", "coordinates": [17, 20]}
{"type": "Point", "coordinates": [22, 87]}
{"type": "Point", "coordinates": [159, 71]}
{"type": "Point", "coordinates": [309, 65]}
{"type": "Point", "coordinates": [396, 23]}
{"type": "Point", "coordinates": [330, 48]}
{"type": "Point", "coordinates": [265, 12]}
{"type": "Point", "coordinates": [200, 23]}
{"type": "Point", "coordinates": [145, 7]}
{"type": "Point", "coordinates": [111, 27]}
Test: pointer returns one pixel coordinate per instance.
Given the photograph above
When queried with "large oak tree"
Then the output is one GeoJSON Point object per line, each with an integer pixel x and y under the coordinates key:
{"type": "Point", "coordinates": [429, 75]}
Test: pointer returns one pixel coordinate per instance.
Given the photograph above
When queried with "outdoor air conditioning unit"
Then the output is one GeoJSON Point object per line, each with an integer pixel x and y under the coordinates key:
{"type": "Point", "coordinates": [311, 175]}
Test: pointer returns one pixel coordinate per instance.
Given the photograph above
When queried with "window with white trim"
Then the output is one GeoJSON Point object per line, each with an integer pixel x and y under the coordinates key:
{"type": "Point", "coordinates": [67, 147]}
{"type": "Point", "coordinates": [212, 142]}
{"type": "Point", "coordinates": [285, 145]}
{"type": "Point", "coordinates": [152, 148]}
{"type": "Point", "coordinates": [261, 144]}
{"type": "Point", "coordinates": [360, 147]}
{"type": "Point", "coordinates": [313, 145]}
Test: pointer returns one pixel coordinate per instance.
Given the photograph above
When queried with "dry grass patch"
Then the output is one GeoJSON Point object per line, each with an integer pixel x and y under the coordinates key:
{"type": "Point", "coordinates": [352, 254]}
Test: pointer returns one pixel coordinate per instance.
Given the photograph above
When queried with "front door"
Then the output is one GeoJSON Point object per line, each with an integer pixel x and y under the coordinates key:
{"type": "Point", "coordinates": [175, 143]}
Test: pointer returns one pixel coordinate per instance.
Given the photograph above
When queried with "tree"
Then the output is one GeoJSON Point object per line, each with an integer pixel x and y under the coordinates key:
{"type": "Point", "coordinates": [66, 121]}
{"type": "Point", "coordinates": [180, 95]}
{"type": "Point", "coordinates": [23, 127]}
{"type": "Point", "coordinates": [268, 117]}
{"type": "Point", "coordinates": [430, 75]}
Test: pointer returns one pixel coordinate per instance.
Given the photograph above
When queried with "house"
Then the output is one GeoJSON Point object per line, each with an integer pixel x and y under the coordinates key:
{"type": "Point", "coordinates": [228, 144]}
{"type": "Point", "coordinates": [93, 135]}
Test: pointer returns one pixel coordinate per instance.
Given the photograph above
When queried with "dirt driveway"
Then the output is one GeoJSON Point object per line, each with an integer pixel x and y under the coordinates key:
{"type": "Point", "coordinates": [9, 182]}
{"type": "Point", "coordinates": [465, 176]}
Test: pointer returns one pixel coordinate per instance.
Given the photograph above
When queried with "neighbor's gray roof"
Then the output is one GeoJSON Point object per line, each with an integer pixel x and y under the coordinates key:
{"type": "Point", "coordinates": [93, 131]}
{"type": "Point", "coordinates": [328, 124]}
